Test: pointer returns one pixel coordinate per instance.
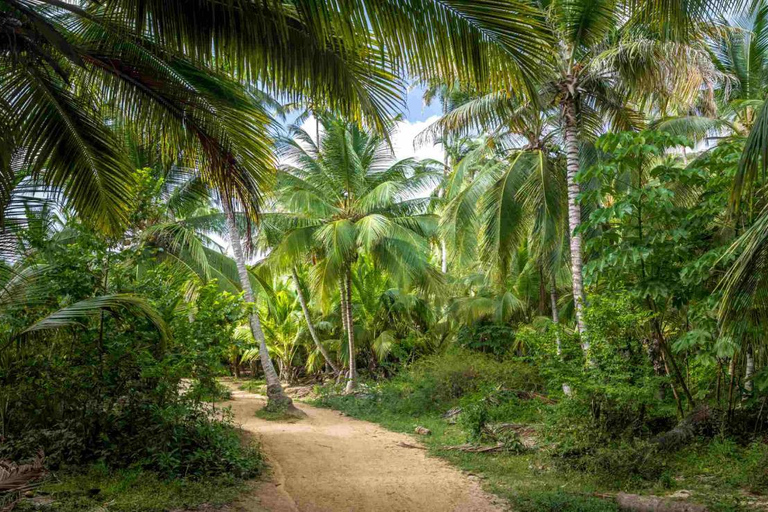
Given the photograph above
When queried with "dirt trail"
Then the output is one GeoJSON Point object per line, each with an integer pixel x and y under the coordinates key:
{"type": "Point", "coordinates": [332, 463]}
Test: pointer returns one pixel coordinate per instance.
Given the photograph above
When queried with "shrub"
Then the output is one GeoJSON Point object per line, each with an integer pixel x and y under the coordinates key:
{"type": "Point", "coordinates": [473, 421]}
{"type": "Point", "coordinates": [112, 394]}
{"type": "Point", "coordinates": [194, 443]}
{"type": "Point", "coordinates": [487, 338]}
{"type": "Point", "coordinates": [437, 383]}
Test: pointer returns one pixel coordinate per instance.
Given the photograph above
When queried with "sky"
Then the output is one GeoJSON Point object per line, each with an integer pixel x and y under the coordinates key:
{"type": "Point", "coordinates": [417, 117]}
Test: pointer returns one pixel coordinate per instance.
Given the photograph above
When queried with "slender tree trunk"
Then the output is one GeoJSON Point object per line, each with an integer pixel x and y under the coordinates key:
{"type": "Point", "coordinates": [343, 304]}
{"type": "Point", "coordinates": [749, 371]}
{"type": "Point", "coordinates": [441, 194]}
{"type": "Point", "coordinates": [669, 361]}
{"type": "Point", "coordinates": [556, 321]}
{"type": "Point", "coordinates": [674, 390]}
{"type": "Point", "coordinates": [657, 361]}
{"type": "Point", "coordinates": [343, 313]}
{"type": "Point", "coordinates": [574, 213]}
{"type": "Point", "coordinates": [443, 257]}
{"type": "Point", "coordinates": [275, 395]}
{"type": "Point", "coordinates": [731, 385]}
{"type": "Point", "coordinates": [555, 316]}
{"type": "Point", "coordinates": [236, 366]}
{"type": "Point", "coordinates": [310, 325]}
{"type": "Point", "coordinates": [719, 380]}
{"type": "Point", "coordinates": [352, 377]}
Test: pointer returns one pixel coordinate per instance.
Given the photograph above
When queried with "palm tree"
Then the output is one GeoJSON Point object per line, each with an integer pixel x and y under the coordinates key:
{"type": "Point", "coordinates": [730, 104]}
{"type": "Point", "coordinates": [165, 70]}
{"type": "Point", "coordinates": [508, 191]}
{"type": "Point", "coordinates": [347, 199]}
{"type": "Point", "coordinates": [602, 64]}
{"type": "Point", "coordinates": [179, 218]}
{"type": "Point", "coordinates": [277, 399]}
{"type": "Point", "coordinates": [72, 88]}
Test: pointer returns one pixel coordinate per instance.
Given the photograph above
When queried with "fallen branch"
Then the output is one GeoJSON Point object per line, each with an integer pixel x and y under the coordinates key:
{"type": "Point", "coordinates": [403, 444]}
{"type": "Point", "coordinates": [473, 448]}
{"type": "Point", "coordinates": [451, 415]}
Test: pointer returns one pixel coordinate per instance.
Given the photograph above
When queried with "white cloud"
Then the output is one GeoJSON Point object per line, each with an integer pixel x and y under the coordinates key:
{"type": "Point", "coordinates": [405, 135]}
{"type": "Point", "coordinates": [403, 138]}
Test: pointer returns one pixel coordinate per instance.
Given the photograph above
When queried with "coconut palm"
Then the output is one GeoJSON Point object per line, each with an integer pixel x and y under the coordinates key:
{"type": "Point", "coordinates": [602, 63]}
{"type": "Point", "coordinates": [730, 105]}
{"type": "Point", "coordinates": [277, 399]}
{"type": "Point", "coordinates": [507, 191]}
{"type": "Point", "coordinates": [79, 77]}
{"type": "Point", "coordinates": [349, 198]}
{"type": "Point", "coordinates": [388, 315]}
{"type": "Point", "coordinates": [70, 69]}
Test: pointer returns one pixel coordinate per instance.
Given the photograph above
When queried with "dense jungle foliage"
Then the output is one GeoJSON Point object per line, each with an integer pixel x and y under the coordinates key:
{"type": "Point", "coordinates": [572, 301]}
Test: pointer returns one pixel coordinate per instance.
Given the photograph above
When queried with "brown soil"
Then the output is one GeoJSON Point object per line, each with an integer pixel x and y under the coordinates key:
{"type": "Point", "coordinates": [332, 463]}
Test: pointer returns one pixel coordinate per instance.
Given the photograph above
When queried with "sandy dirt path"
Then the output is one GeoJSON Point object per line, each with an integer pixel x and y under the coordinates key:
{"type": "Point", "coordinates": [332, 463]}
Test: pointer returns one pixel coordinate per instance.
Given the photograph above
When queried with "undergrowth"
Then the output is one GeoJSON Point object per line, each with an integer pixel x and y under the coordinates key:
{"type": "Point", "coordinates": [129, 490]}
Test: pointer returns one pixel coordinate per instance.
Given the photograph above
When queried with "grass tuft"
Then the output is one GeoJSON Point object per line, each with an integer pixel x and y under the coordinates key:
{"type": "Point", "coordinates": [129, 490]}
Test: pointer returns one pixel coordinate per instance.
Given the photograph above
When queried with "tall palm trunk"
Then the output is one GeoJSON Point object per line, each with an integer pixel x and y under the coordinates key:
{"type": "Point", "coordinates": [440, 194]}
{"type": "Point", "coordinates": [555, 316]}
{"type": "Point", "coordinates": [556, 321]}
{"type": "Point", "coordinates": [574, 212]}
{"type": "Point", "coordinates": [443, 257]}
{"type": "Point", "coordinates": [310, 325]}
{"type": "Point", "coordinates": [352, 377]}
{"type": "Point", "coordinates": [343, 313]}
{"type": "Point", "coordinates": [275, 395]}
{"type": "Point", "coordinates": [749, 372]}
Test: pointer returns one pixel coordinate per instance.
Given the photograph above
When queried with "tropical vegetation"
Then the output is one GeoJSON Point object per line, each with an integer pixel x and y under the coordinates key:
{"type": "Point", "coordinates": [196, 190]}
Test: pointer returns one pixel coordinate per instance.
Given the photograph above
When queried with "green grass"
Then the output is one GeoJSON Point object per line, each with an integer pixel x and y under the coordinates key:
{"type": "Point", "coordinates": [252, 386]}
{"type": "Point", "coordinates": [717, 473]}
{"type": "Point", "coordinates": [129, 490]}
{"type": "Point", "coordinates": [279, 415]}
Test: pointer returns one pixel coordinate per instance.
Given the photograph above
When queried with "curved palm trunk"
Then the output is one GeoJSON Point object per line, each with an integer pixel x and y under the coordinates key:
{"type": "Point", "coordinates": [574, 213]}
{"type": "Point", "coordinates": [275, 395]}
{"type": "Point", "coordinates": [310, 325]}
{"type": "Point", "coordinates": [352, 376]}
